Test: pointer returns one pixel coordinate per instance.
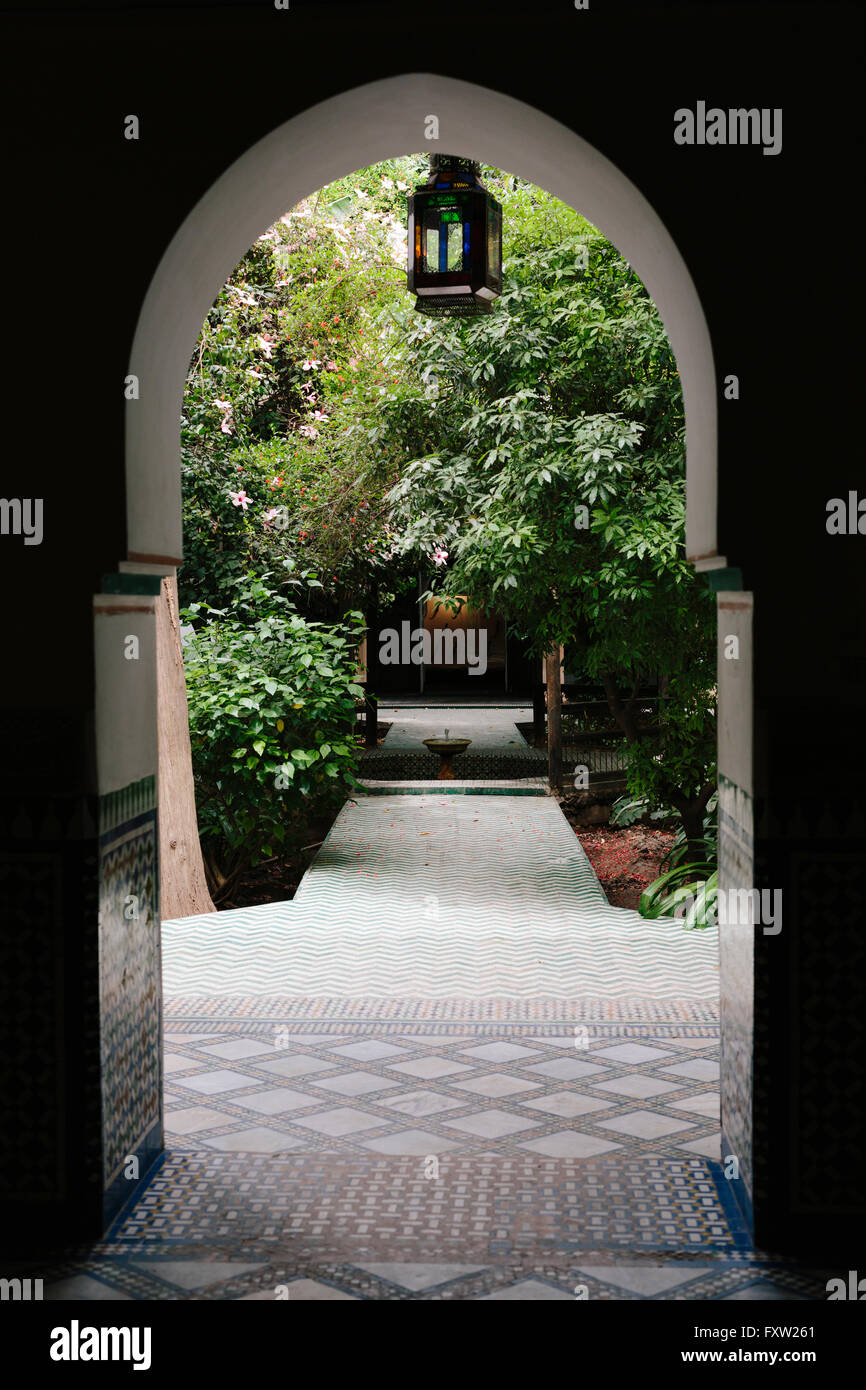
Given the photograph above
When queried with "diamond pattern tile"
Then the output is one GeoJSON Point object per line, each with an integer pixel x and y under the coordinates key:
{"type": "Point", "coordinates": [567, 1104]}
{"type": "Point", "coordinates": [492, 1124]}
{"type": "Point", "coordinates": [633, 1053]}
{"type": "Point", "coordinates": [421, 1103]}
{"type": "Point", "coordinates": [254, 1140]}
{"type": "Point", "coordinates": [418, 1142]}
{"type": "Point", "coordinates": [215, 1083]}
{"type": "Point", "coordinates": [565, 1069]}
{"type": "Point", "coordinates": [527, 1291]}
{"type": "Point", "coordinates": [343, 1120]}
{"type": "Point", "coordinates": [278, 1102]}
{"type": "Point", "coordinates": [569, 1143]}
{"type": "Point", "coordinates": [354, 1083]}
{"type": "Point", "coordinates": [236, 1048]}
{"type": "Point", "coordinates": [644, 1124]}
{"type": "Point", "coordinates": [421, 1276]}
{"type": "Point", "coordinates": [637, 1087]}
{"type": "Point", "coordinates": [430, 1068]}
{"type": "Point", "coordinates": [496, 1085]}
{"type": "Point", "coordinates": [499, 1052]}
{"type": "Point", "coordinates": [700, 1069]}
{"type": "Point", "coordinates": [298, 1065]}
{"type": "Point", "coordinates": [372, 1051]}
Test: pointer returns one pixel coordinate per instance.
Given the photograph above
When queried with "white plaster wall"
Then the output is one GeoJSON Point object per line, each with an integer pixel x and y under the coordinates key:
{"type": "Point", "coordinates": [735, 689]}
{"type": "Point", "coordinates": [126, 724]}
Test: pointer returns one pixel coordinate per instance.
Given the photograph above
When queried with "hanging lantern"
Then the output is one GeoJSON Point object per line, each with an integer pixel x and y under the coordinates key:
{"type": "Point", "coordinates": [455, 240]}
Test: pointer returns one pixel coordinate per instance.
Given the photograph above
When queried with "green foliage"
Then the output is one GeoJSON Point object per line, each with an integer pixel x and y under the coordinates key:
{"type": "Point", "coordinates": [271, 711]}
{"type": "Point", "coordinates": [707, 844]}
{"type": "Point", "coordinates": [333, 440]}
{"type": "Point", "coordinates": [285, 427]}
{"type": "Point", "coordinates": [556, 485]}
{"type": "Point", "coordinates": [682, 888]}
{"type": "Point", "coordinates": [626, 810]}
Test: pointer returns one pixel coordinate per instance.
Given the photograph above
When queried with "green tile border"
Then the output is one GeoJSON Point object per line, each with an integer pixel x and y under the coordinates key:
{"type": "Point", "coordinates": [437, 788]}
{"type": "Point", "coordinates": [115, 808]}
{"type": "Point", "coordinates": [132, 583]}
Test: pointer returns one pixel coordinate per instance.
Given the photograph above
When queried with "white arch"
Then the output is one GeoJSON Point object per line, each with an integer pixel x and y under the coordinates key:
{"type": "Point", "coordinates": [379, 121]}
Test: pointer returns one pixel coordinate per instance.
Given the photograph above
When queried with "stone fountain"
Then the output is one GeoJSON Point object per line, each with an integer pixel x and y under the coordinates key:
{"type": "Point", "coordinates": [447, 748]}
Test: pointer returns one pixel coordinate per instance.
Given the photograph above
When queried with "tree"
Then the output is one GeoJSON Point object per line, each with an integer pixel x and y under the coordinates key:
{"type": "Point", "coordinates": [557, 485]}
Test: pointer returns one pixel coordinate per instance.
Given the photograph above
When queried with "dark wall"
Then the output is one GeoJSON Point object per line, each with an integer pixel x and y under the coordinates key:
{"type": "Point", "coordinates": [774, 246]}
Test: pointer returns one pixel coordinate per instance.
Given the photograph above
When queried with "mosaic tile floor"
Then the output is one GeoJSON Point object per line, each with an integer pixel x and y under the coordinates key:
{"type": "Point", "coordinates": [264, 1088]}
{"type": "Point", "coordinates": [438, 896]}
{"type": "Point", "coordinates": [491, 730]}
{"type": "Point", "coordinates": [445, 1071]}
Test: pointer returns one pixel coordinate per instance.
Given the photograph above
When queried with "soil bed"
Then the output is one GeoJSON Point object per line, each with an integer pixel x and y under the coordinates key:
{"type": "Point", "coordinates": [626, 860]}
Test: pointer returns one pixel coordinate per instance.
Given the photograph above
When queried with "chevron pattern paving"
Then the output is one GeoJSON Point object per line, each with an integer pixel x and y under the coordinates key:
{"type": "Point", "coordinates": [441, 897]}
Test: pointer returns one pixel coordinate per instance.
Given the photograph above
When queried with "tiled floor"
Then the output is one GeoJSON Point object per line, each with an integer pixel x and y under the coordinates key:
{"type": "Point", "coordinates": [491, 730]}
{"type": "Point", "coordinates": [438, 897]}
{"type": "Point", "coordinates": [264, 1090]}
{"type": "Point", "coordinates": [447, 1070]}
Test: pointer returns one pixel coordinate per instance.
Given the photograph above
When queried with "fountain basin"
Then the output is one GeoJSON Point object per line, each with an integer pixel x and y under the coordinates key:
{"type": "Point", "coordinates": [448, 749]}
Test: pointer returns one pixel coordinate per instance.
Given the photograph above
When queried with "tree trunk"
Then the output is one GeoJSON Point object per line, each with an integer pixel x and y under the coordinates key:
{"type": "Point", "coordinates": [691, 812]}
{"type": "Point", "coordinates": [554, 718]}
{"type": "Point", "coordinates": [538, 729]}
{"type": "Point", "coordinates": [624, 711]}
{"type": "Point", "coordinates": [371, 703]}
{"type": "Point", "coordinates": [183, 888]}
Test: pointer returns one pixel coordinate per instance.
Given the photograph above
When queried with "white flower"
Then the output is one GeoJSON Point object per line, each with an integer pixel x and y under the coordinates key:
{"type": "Point", "coordinates": [265, 346]}
{"type": "Point", "coordinates": [240, 499]}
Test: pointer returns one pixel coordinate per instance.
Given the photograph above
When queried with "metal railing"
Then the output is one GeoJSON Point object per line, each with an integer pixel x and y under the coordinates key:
{"type": "Point", "coordinates": [603, 751]}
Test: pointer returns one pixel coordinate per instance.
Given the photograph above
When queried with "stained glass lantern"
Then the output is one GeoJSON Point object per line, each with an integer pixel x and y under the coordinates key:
{"type": "Point", "coordinates": [455, 240]}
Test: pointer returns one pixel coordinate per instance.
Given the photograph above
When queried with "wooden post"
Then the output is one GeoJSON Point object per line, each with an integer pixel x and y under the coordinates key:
{"type": "Point", "coordinates": [538, 730]}
{"type": "Point", "coordinates": [554, 718]}
{"type": "Point", "coordinates": [371, 722]}
{"type": "Point", "coordinates": [371, 704]}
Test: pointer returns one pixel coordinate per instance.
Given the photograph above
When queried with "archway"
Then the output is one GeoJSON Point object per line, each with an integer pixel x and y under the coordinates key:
{"type": "Point", "coordinates": [357, 128]}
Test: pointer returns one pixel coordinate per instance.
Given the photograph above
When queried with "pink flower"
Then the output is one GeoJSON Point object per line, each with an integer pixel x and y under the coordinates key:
{"type": "Point", "coordinates": [309, 430]}
{"type": "Point", "coordinates": [226, 425]}
{"type": "Point", "coordinates": [320, 415]}
{"type": "Point", "coordinates": [439, 556]}
{"type": "Point", "coordinates": [331, 366]}
{"type": "Point", "coordinates": [310, 364]}
{"type": "Point", "coordinates": [240, 499]}
{"type": "Point", "coordinates": [265, 346]}
{"type": "Point", "coordinates": [270, 514]}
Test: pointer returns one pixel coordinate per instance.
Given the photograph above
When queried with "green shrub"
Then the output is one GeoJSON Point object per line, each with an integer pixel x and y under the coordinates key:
{"type": "Point", "coordinates": [679, 887]}
{"type": "Point", "coordinates": [271, 710]}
